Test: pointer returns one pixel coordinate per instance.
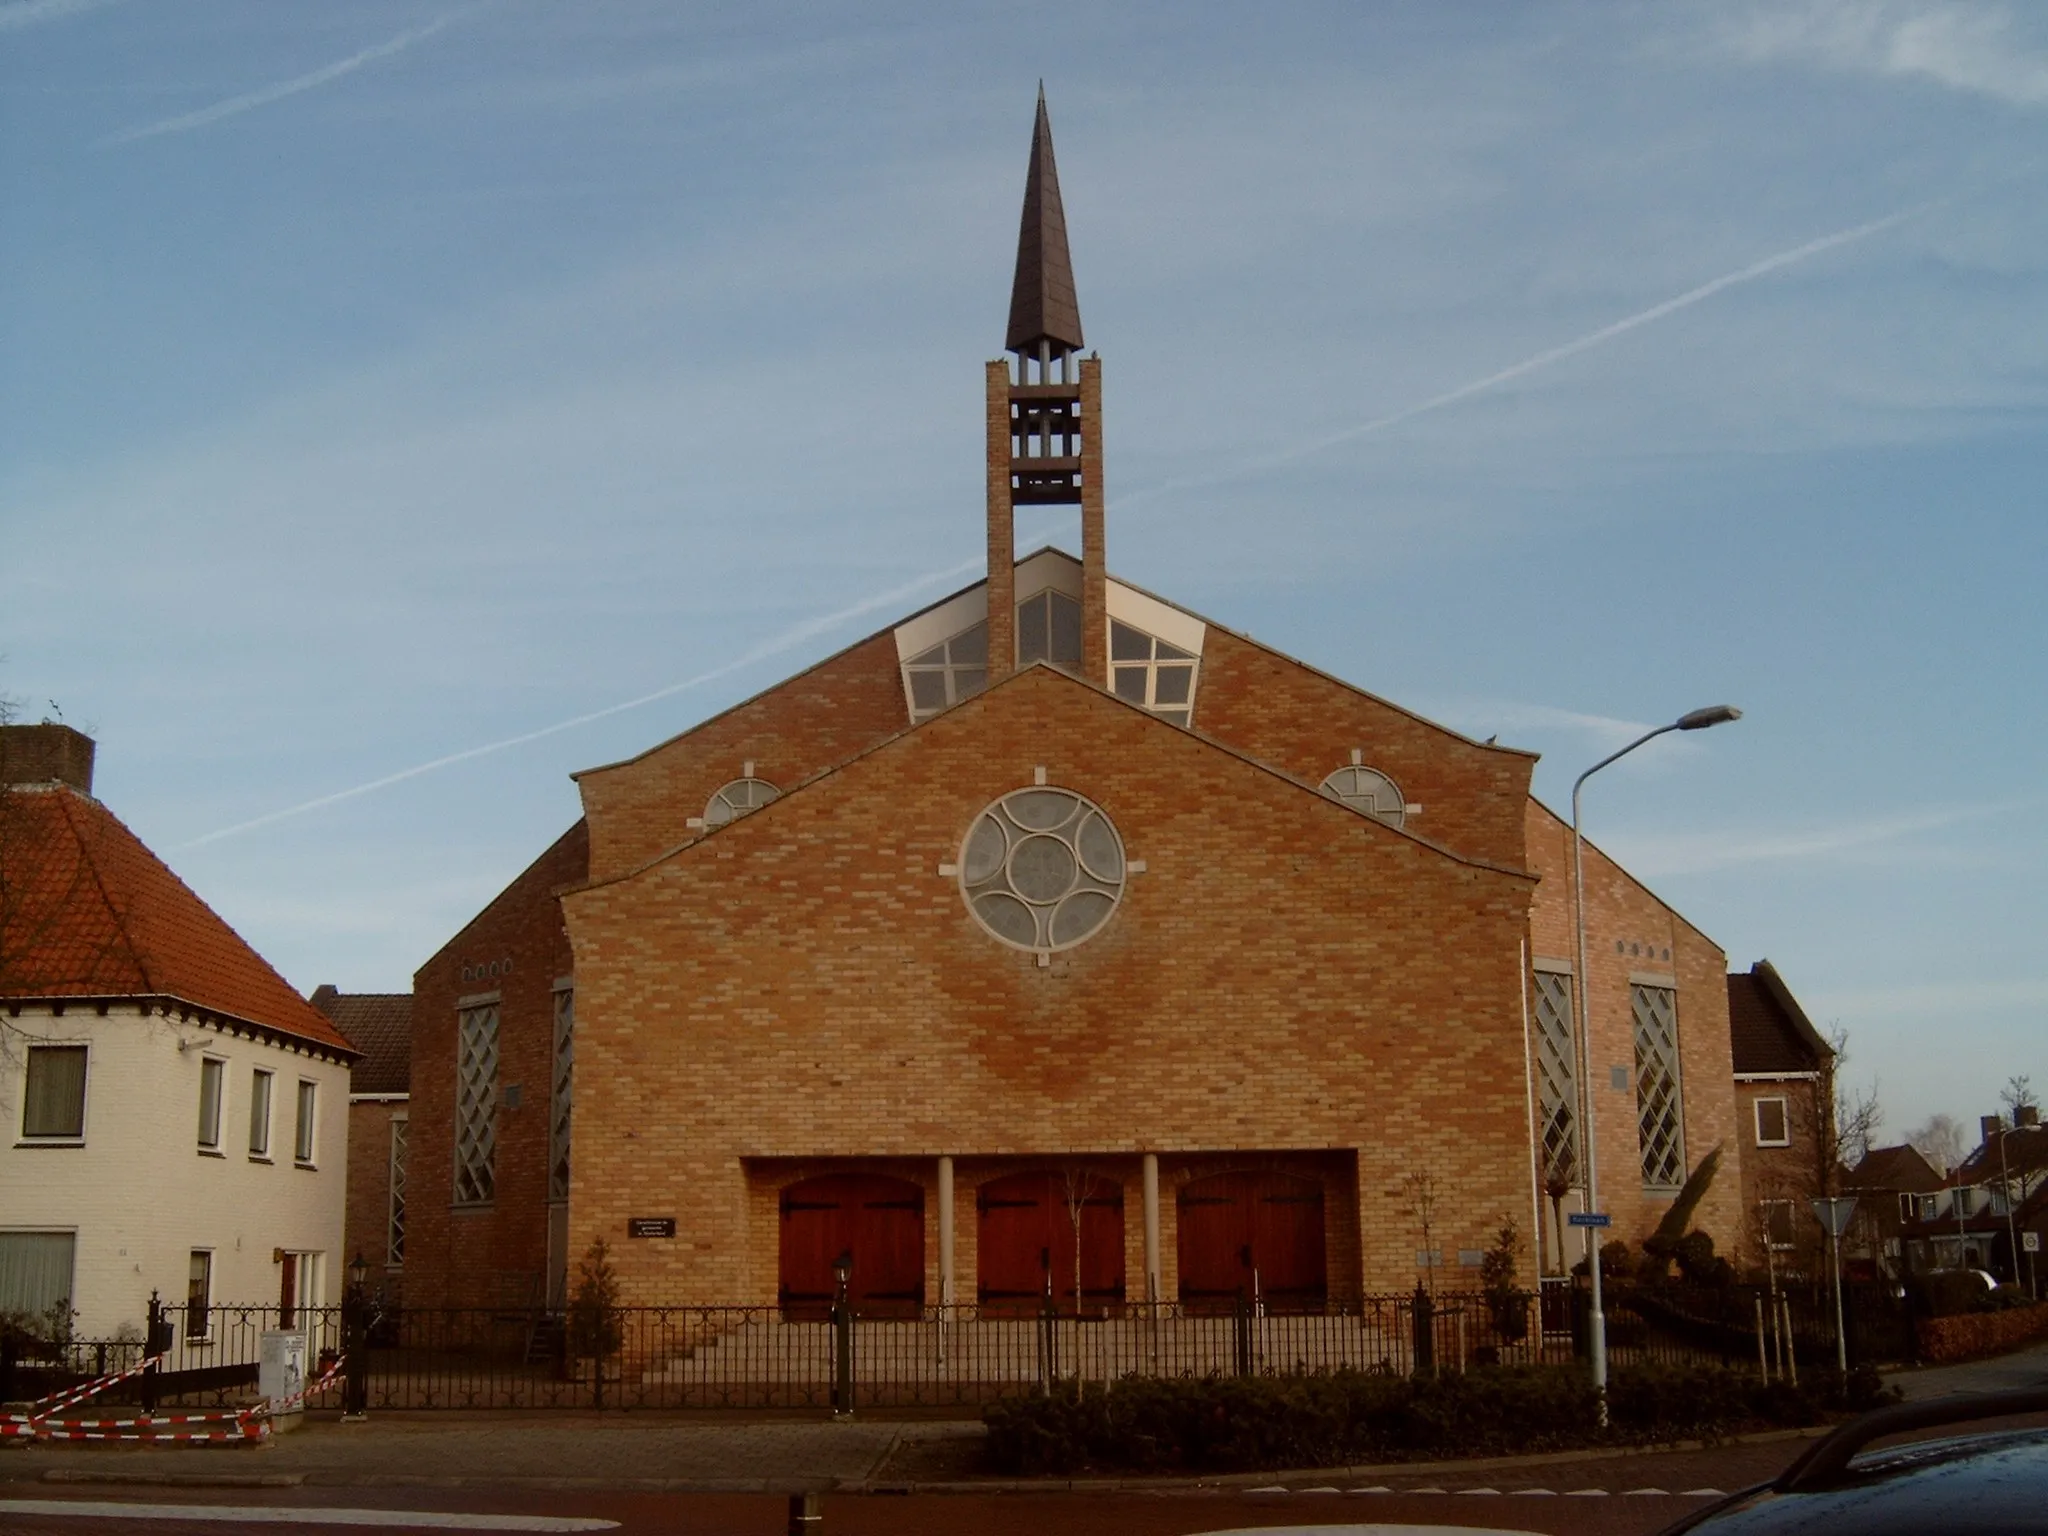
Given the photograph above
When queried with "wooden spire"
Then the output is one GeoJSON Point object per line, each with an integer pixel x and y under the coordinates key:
{"type": "Point", "coordinates": [1043, 308]}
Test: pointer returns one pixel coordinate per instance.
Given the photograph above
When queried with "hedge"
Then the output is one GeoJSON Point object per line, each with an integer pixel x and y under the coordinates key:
{"type": "Point", "coordinates": [1233, 1424]}
{"type": "Point", "coordinates": [1969, 1334]}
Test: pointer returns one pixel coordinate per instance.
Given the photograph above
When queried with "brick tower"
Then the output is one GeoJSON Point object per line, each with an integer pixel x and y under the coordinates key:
{"type": "Point", "coordinates": [1045, 418]}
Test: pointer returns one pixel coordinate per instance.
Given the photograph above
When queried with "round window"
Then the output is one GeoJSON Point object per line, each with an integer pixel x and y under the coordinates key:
{"type": "Point", "coordinates": [738, 798]}
{"type": "Point", "coordinates": [1042, 869]}
{"type": "Point", "coordinates": [1367, 790]}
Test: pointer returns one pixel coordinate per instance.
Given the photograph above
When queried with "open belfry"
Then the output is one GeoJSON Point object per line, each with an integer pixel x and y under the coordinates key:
{"type": "Point", "coordinates": [1053, 944]}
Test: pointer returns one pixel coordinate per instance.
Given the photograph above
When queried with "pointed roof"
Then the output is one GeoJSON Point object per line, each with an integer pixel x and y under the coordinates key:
{"type": "Point", "coordinates": [380, 1024]}
{"type": "Point", "coordinates": [1042, 302]}
{"type": "Point", "coordinates": [90, 913]}
{"type": "Point", "coordinates": [1768, 1031]}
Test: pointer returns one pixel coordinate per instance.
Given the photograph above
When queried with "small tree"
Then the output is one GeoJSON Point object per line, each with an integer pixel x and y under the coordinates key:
{"type": "Point", "coordinates": [1420, 1189]}
{"type": "Point", "coordinates": [596, 1321]}
{"type": "Point", "coordinates": [1508, 1302]}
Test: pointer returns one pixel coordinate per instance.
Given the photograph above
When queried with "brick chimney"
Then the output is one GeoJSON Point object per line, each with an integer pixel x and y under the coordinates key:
{"type": "Point", "coordinates": [46, 754]}
{"type": "Point", "coordinates": [1989, 1126]}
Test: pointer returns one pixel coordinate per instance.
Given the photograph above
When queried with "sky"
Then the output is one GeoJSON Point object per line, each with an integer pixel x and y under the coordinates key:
{"type": "Point", "coordinates": [404, 404]}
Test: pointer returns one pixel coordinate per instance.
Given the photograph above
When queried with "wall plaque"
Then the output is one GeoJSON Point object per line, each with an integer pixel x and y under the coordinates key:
{"type": "Point", "coordinates": [650, 1226]}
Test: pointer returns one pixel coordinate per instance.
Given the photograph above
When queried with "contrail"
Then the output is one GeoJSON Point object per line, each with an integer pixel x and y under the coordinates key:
{"type": "Point", "coordinates": [26, 13]}
{"type": "Point", "coordinates": [789, 638]}
{"type": "Point", "coordinates": [810, 627]}
{"type": "Point", "coordinates": [269, 93]}
{"type": "Point", "coordinates": [1544, 359]}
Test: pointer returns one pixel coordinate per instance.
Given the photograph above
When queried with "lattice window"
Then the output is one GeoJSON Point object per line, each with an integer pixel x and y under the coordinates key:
{"type": "Point", "coordinates": [947, 673]}
{"type": "Point", "coordinates": [394, 1243]}
{"type": "Point", "coordinates": [559, 1095]}
{"type": "Point", "coordinates": [476, 1105]}
{"type": "Point", "coordinates": [1660, 1107]}
{"type": "Point", "coordinates": [735, 799]}
{"type": "Point", "coordinates": [1557, 1078]}
{"type": "Point", "coordinates": [1152, 673]}
{"type": "Point", "coordinates": [1369, 791]}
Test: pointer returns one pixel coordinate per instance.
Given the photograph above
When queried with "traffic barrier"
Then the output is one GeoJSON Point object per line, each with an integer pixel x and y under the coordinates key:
{"type": "Point", "coordinates": [205, 1426]}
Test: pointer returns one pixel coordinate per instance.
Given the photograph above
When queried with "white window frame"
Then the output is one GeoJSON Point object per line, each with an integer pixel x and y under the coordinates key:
{"type": "Point", "coordinates": [213, 1087]}
{"type": "Point", "coordinates": [1909, 1207]}
{"type": "Point", "coordinates": [205, 1335]}
{"type": "Point", "coordinates": [1182, 713]}
{"type": "Point", "coordinates": [56, 1138]}
{"type": "Point", "coordinates": [1784, 1120]}
{"type": "Point", "coordinates": [956, 676]}
{"type": "Point", "coordinates": [266, 1101]}
{"type": "Point", "coordinates": [70, 1298]}
{"type": "Point", "coordinates": [306, 1124]}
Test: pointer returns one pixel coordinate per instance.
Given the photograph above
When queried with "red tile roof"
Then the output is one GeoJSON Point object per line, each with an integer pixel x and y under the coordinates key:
{"type": "Point", "coordinates": [380, 1023]}
{"type": "Point", "coordinates": [87, 911]}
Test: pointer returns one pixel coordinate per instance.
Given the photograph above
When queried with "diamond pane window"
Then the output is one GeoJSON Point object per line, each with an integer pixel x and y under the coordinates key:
{"type": "Point", "coordinates": [559, 1095]}
{"type": "Point", "coordinates": [1042, 869]}
{"type": "Point", "coordinates": [476, 1105]}
{"type": "Point", "coordinates": [1370, 791]}
{"type": "Point", "coordinates": [394, 1242]}
{"type": "Point", "coordinates": [947, 673]}
{"type": "Point", "coordinates": [734, 800]}
{"type": "Point", "coordinates": [1660, 1108]}
{"type": "Point", "coordinates": [1557, 1078]}
{"type": "Point", "coordinates": [1049, 629]}
{"type": "Point", "coordinates": [1151, 673]}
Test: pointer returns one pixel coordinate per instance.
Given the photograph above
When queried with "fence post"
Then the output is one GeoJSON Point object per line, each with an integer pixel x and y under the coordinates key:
{"type": "Point", "coordinates": [806, 1514]}
{"type": "Point", "coordinates": [1425, 1330]}
{"type": "Point", "coordinates": [155, 1342]}
{"type": "Point", "coordinates": [1048, 1343]}
{"type": "Point", "coordinates": [842, 1360]}
{"type": "Point", "coordinates": [1241, 1332]}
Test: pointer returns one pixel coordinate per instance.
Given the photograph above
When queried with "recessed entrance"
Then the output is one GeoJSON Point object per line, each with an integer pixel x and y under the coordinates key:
{"type": "Point", "coordinates": [1255, 1235]}
{"type": "Point", "coordinates": [876, 1220]}
{"type": "Point", "coordinates": [1033, 1229]}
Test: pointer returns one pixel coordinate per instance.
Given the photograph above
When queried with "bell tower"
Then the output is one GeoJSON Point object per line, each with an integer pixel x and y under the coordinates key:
{"type": "Point", "coordinates": [1044, 418]}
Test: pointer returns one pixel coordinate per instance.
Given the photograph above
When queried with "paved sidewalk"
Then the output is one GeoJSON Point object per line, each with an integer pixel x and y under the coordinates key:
{"type": "Point", "coordinates": [2003, 1373]}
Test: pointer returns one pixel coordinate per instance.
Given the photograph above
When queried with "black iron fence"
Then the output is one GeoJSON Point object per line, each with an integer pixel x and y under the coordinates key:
{"type": "Point", "coordinates": [762, 1357]}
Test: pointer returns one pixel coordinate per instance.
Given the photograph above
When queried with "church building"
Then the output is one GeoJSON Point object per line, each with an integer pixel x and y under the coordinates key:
{"type": "Point", "coordinates": [1055, 940]}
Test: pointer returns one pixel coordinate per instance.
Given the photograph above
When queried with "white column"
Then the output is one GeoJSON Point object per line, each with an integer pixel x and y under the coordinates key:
{"type": "Point", "coordinates": [1152, 1226]}
{"type": "Point", "coordinates": [946, 1231]}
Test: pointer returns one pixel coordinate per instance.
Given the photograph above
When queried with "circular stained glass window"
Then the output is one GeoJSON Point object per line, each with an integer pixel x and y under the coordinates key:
{"type": "Point", "coordinates": [1042, 868]}
{"type": "Point", "coordinates": [734, 800]}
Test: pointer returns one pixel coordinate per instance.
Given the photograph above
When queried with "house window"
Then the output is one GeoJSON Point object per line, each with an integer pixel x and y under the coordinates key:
{"type": "Point", "coordinates": [394, 1243]}
{"type": "Point", "coordinates": [1772, 1129]}
{"type": "Point", "coordinates": [559, 1094]}
{"type": "Point", "coordinates": [1905, 1207]}
{"type": "Point", "coordinates": [735, 799]}
{"type": "Point", "coordinates": [1369, 791]}
{"type": "Point", "coordinates": [259, 1113]}
{"type": "Point", "coordinates": [212, 1072]}
{"type": "Point", "coordinates": [35, 1276]}
{"type": "Point", "coordinates": [1049, 629]}
{"type": "Point", "coordinates": [947, 673]}
{"type": "Point", "coordinates": [1557, 1078]}
{"type": "Point", "coordinates": [302, 1135]}
{"type": "Point", "coordinates": [53, 1099]}
{"type": "Point", "coordinates": [1151, 673]}
{"type": "Point", "coordinates": [199, 1296]}
{"type": "Point", "coordinates": [1660, 1109]}
{"type": "Point", "coordinates": [476, 1105]}
{"type": "Point", "coordinates": [1777, 1222]}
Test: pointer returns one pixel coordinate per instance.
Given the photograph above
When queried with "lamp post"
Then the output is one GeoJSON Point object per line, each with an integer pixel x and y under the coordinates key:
{"type": "Point", "coordinates": [355, 1389]}
{"type": "Point", "coordinates": [842, 1335]}
{"type": "Point", "coordinates": [2012, 1236]}
{"type": "Point", "coordinates": [1697, 720]}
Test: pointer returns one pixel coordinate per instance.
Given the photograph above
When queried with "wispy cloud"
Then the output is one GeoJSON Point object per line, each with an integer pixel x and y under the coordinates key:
{"type": "Point", "coordinates": [1544, 359]}
{"type": "Point", "coordinates": [1605, 730]}
{"type": "Point", "coordinates": [787, 640]}
{"type": "Point", "coordinates": [1936, 1000]}
{"type": "Point", "coordinates": [250, 100]}
{"type": "Point", "coordinates": [1692, 853]}
{"type": "Point", "coordinates": [1976, 48]}
{"type": "Point", "coordinates": [28, 13]}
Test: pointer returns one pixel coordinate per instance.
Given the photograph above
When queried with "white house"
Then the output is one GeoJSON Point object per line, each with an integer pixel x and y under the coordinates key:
{"type": "Point", "coordinates": [176, 1115]}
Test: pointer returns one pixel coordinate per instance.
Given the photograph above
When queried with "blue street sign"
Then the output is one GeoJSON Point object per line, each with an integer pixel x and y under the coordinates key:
{"type": "Point", "coordinates": [1589, 1219]}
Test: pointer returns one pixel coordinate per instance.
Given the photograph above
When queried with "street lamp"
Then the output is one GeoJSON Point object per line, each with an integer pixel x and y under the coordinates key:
{"type": "Point", "coordinates": [1696, 720]}
{"type": "Point", "coordinates": [355, 1387]}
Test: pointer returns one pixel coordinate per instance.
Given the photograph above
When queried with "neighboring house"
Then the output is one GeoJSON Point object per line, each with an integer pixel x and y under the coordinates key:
{"type": "Point", "coordinates": [1987, 1203]}
{"type": "Point", "coordinates": [175, 1111]}
{"type": "Point", "coordinates": [1783, 1094]}
{"type": "Point", "coordinates": [1889, 1184]}
{"type": "Point", "coordinates": [380, 1024]}
{"type": "Point", "coordinates": [1053, 939]}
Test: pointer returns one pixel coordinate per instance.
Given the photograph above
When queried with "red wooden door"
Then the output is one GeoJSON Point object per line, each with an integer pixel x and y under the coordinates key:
{"type": "Point", "coordinates": [878, 1221]}
{"type": "Point", "coordinates": [1259, 1235]}
{"type": "Point", "coordinates": [1026, 1242]}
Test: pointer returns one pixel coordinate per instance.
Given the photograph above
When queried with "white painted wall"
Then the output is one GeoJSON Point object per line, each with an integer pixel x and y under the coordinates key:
{"type": "Point", "coordinates": [139, 1193]}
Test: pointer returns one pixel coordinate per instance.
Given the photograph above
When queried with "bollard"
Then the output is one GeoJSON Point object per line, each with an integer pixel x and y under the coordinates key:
{"type": "Point", "coordinates": [806, 1514]}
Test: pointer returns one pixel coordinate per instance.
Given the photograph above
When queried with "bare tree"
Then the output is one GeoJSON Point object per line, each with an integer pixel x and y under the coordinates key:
{"type": "Point", "coordinates": [1940, 1141]}
{"type": "Point", "coordinates": [2018, 1095]}
{"type": "Point", "coordinates": [1419, 1188]}
{"type": "Point", "coordinates": [1847, 1118]}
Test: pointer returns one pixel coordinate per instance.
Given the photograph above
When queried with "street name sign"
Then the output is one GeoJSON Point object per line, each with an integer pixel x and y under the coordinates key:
{"type": "Point", "coordinates": [1589, 1219]}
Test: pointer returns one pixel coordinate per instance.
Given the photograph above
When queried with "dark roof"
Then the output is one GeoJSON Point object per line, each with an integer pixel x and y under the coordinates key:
{"type": "Point", "coordinates": [93, 914]}
{"type": "Point", "coordinates": [1767, 1029]}
{"type": "Point", "coordinates": [1898, 1169]}
{"type": "Point", "coordinates": [2025, 1150]}
{"type": "Point", "coordinates": [1043, 306]}
{"type": "Point", "coordinates": [380, 1023]}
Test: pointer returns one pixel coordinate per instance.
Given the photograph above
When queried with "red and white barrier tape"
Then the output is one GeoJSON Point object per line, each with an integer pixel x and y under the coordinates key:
{"type": "Point", "coordinates": [298, 1399]}
{"type": "Point", "coordinates": [247, 1424]}
{"type": "Point", "coordinates": [57, 1402]}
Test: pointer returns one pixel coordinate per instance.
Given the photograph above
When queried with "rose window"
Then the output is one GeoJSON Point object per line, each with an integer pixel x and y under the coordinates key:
{"type": "Point", "coordinates": [1042, 869]}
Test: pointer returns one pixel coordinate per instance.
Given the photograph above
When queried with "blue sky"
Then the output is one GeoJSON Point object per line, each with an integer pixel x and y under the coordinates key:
{"type": "Point", "coordinates": [389, 379]}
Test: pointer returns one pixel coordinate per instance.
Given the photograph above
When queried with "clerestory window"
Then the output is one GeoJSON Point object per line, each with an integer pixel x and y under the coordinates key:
{"type": "Point", "coordinates": [1152, 673]}
{"type": "Point", "coordinates": [947, 673]}
{"type": "Point", "coordinates": [1049, 629]}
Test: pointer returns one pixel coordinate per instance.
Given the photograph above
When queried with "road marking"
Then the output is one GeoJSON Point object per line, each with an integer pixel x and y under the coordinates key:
{"type": "Point", "coordinates": [1703, 1493]}
{"type": "Point", "coordinates": [1587, 1493]}
{"type": "Point", "coordinates": [1367, 1530]}
{"type": "Point", "coordinates": [245, 1514]}
{"type": "Point", "coordinates": [1633, 1493]}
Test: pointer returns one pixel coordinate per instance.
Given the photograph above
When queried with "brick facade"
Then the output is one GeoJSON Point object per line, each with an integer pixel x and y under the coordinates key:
{"type": "Point", "coordinates": [366, 1224]}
